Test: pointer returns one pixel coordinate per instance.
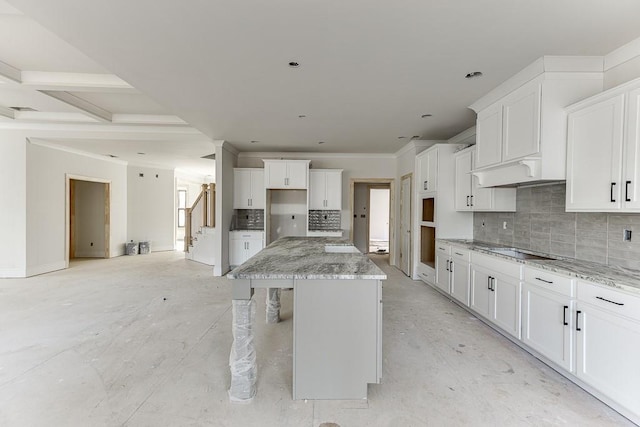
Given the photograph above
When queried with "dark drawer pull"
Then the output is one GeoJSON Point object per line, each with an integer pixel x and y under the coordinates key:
{"type": "Point", "coordinates": [545, 281]}
{"type": "Point", "coordinates": [608, 300]}
{"type": "Point", "coordinates": [626, 191]}
{"type": "Point", "coordinates": [578, 320]}
{"type": "Point", "coordinates": [564, 316]}
{"type": "Point", "coordinates": [613, 184]}
{"type": "Point", "coordinates": [458, 253]}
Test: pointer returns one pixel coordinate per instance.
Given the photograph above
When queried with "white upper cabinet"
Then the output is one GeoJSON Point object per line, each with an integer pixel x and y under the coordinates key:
{"type": "Point", "coordinates": [427, 170]}
{"type": "Point", "coordinates": [521, 124]}
{"type": "Point", "coordinates": [489, 131]}
{"type": "Point", "coordinates": [325, 189]}
{"type": "Point", "coordinates": [469, 196]}
{"type": "Point", "coordinates": [248, 188]}
{"type": "Point", "coordinates": [286, 174]}
{"type": "Point", "coordinates": [603, 149]}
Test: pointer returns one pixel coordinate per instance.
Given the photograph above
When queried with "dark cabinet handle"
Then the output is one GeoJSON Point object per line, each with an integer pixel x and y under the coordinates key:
{"type": "Point", "coordinates": [564, 316]}
{"type": "Point", "coordinates": [613, 184]}
{"type": "Point", "coordinates": [545, 281]}
{"type": "Point", "coordinates": [626, 191]}
{"type": "Point", "coordinates": [426, 187]}
{"type": "Point", "coordinates": [489, 282]}
{"type": "Point", "coordinates": [493, 284]}
{"type": "Point", "coordinates": [451, 266]}
{"type": "Point", "coordinates": [578, 320]}
{"type": "Point", "coordinates": [468, 201]}
{"type": "Point", "coordinates": [608, 300]}
{"type": "Point", "coordinates": [447, 267]}
{"type": "Point", "coordinates": [472, 200]}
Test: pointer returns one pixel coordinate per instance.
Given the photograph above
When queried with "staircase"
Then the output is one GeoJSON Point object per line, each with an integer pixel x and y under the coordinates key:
{"type": "Point", "coordinates": [200, 229]}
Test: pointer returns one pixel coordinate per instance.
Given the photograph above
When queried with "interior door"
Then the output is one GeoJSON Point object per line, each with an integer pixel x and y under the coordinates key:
{"type": "Point", "coordinates": [405, 224]}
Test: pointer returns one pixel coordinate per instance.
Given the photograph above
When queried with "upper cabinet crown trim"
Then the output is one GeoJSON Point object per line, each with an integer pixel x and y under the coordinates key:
{"type": "Point", "coordinates": [545, 64]}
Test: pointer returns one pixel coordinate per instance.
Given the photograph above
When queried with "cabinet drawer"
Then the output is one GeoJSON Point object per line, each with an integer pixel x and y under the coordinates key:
{"type": "Point", "coordinates": [443, 248]}
{"type": "Point", "coordinates": [460, 254]}
{"type": "Point", "coordinates": [548, 280]}
{"type": "Point", "coordinates": [609, 299]}
{"type": "Point", "coordinates": [426, 274]}
{"type": "Point", "coordinates": [246, 235]}
{"type": "Point", "coordinates": [492, 263]}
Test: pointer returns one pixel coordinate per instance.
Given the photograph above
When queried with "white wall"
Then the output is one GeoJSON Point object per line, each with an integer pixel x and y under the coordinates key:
{"type": "Point", "coordinates": [226, 160]}
{"type": "Point", "coordinates": [88, 233]}
{"type": "Point", "coordinates": [13, 204]}
{"type": "Point", "coordinates": [151, 206]}
{"type": "Point", "coordinates": [46, 197]}
{"type": "Point", "coordinates": [360, 196]}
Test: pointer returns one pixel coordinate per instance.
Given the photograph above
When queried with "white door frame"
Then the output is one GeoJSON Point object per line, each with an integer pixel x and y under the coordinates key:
{"type": "Point", "coordinates": [67, 214]}
{"type": "Point", "coordinates": [376, 182]}
{"type": "Point", "coordinates": [403, 234]}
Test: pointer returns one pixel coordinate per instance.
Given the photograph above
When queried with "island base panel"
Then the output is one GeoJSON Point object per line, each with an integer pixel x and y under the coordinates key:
{"type": "Point", "coordinates": [336, 338]}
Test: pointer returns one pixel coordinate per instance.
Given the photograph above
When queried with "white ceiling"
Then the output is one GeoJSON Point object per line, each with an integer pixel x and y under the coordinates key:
{"type": "Point", "coordinates": [368, 70]}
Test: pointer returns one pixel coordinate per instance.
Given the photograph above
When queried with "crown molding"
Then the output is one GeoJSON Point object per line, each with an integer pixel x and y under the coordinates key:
{"type": "Point", "coordinates": [622, 54]}
{"type": "Point", "coordinates": [57, 147]}
{"type": "Point", "coordinates": [307, 155]}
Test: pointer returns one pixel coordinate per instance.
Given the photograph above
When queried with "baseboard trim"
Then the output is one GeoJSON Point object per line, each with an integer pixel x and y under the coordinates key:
{"type": "Point", "coordinates": [8, 273]}
{"type": "Point", "coordinates": [90, 254]}
{"type": "Point", "coordinates": [45, 268]}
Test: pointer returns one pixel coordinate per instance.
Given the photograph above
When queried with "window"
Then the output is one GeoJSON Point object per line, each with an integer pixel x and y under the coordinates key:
{"type": "Point", "coordinates": [182, 204]}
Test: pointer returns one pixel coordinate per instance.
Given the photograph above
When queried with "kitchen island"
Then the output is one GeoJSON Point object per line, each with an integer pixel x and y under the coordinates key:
{"type": "Point", "coordinates": [337, 317]}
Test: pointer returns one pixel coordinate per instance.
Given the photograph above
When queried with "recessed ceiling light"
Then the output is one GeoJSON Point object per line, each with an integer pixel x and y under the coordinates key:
{"type": "Point", "coordinates": [415, 137]}
{"type": "Point", "coordinates": [424, 116]}
{"type": "Point", "coordinates": [473, 75]}
{"type": "Point", "coordinates": [254, 141]}
{"type": "Point", "coordinates": [402, 137]}
{"type": "Point", "coordinates": [301, 116]}
{"type": "Point", "coordinates": [111, 155]}
{"type": "Point", "coordinates": [320, 142]}
{"type": "Point", "coordinates": [294, 64]}
{"type": "Point", "coordinates": [142, 154]}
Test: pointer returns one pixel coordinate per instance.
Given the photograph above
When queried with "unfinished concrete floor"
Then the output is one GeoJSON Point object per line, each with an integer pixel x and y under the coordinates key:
{"type": "Point", "coordinates": [144, 341]}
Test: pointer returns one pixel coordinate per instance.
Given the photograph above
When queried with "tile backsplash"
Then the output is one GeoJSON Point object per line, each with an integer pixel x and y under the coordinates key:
{"type": "Point", "coordinates": [540, 223]}
{"type": "Point", "coordinates": [248, 219]}
{"type": "Point", "coordinates": [325, 220]}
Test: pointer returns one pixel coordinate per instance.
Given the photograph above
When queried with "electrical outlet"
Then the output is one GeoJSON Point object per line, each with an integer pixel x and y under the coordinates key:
{"type": "Point", "coordinates": [626, 235]}
{"type": "Point", "coordinates": [504, 225]}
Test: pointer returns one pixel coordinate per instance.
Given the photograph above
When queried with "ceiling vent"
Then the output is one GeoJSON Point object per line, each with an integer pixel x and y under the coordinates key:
{"type": "Point", "coordinates": [209, 156]}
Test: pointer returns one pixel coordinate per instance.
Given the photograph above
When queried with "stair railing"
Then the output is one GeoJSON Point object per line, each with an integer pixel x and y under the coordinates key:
{"type": "Point", "coordinates": [201, 214]}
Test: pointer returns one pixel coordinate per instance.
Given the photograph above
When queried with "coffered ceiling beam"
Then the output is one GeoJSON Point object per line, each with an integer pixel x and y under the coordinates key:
{"type": "Point", "coordinates": [147, 119]}
{"type": "Point", "coordinates": [75, 82]}
{"type": "Point", "coordinates": [79, 103]}
{"type": "Point", "coordinates": [8, 72]}
{"type": "Point", "coordinates": [7, 112]}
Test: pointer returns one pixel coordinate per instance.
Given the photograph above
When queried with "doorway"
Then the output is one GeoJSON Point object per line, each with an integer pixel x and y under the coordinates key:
{"type": "Point", "coordinates": [372, 215]}
{"type": "Point", "coordinates": [378, 241]}
{"type": "Point", "coordinates": [88, 218]}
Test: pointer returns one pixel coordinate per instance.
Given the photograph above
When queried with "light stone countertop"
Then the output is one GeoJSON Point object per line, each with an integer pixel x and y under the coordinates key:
{"type": "Point", "coordinates": [609, 275]}
{"type": "Point", "coordinates": [305, 258]}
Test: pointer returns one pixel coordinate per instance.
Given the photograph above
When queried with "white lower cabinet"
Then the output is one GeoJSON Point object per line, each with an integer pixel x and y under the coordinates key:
{"type": "Point", "coordinates": [591, 331]}
{"type": "Point", "coordinates": [607, 328]}
{"type": "Point", "coordinates": [495, 295]}
{"type": "Point", "coordinates": [243, 245]}
{"type": "Point", "coordinates": [452, 272]}
{"type": "Point", "coordinates": [547, 324]}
